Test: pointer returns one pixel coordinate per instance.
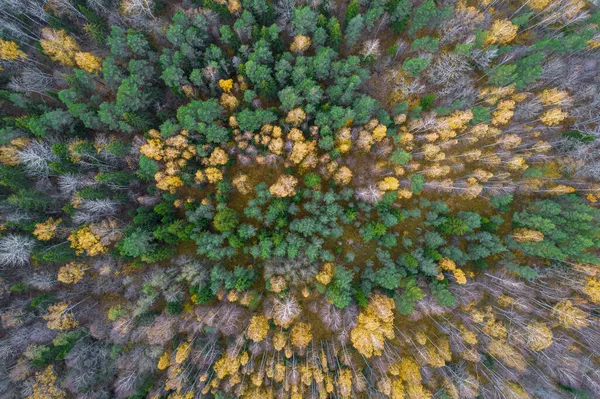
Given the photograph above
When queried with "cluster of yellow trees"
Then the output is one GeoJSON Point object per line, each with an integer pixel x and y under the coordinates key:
{"type": "Point", "coordinates": [175, 152]}
{"type": "Point", "coordinates": [45, 386]}
{"type": "Point", "coordinates": [489, 158]}
{"type": "Point", "coordinates": [9, 154]}
{"type": "Point", "coordinates": [95, 239]}
{"type": "Point", "coordinates": [485, 329]}
{"type": "Point", "coordinates": [62, 48]}
{"type": "Point", "coordinates": [374, 324]}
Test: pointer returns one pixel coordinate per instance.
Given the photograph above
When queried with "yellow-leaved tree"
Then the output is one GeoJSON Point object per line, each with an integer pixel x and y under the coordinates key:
{"type": "Point", "coordinates": [570, 316]}
{"type": "Point", "coordinates": [183, 351]}
{"type": "Point", "coordinates": [285, 186]}
{"type": "Point", "coordinates": [218, 157]}
{"type": "Point", "coordinates": [45, 387]}
{"type": "Point", "coordinates": [374, 324]}
{"type": "Point", "coordinates": [226, 85]}
{"type": "Point", "coordinates": [502, 31]}
{"type": "Point", "coordinates": [527, 235]}
{"type": "Point", "coordinates": [88, 62]}
{"type": "Point", "coordinates": [242, 184]}
{"type": "Point", "coordinates": [408, 372]}
{"type": "Point", "coordinates": [343, 175]}
{"type": "Point", "coordinates": [258, 328]}
{"type": "Point", "coordinates": [45, 231]}
{"type": "Point", "coordinates": [60, 318]}
{"type": "Point", "coordinates": [10, 51]}
{"type": "Point", "coordinates": [84, 240]}
{"type": "Point", "coordinates": [539, 336]}
{"type": "Point", "coordinates": [59, 46]}
{"type": "Point", "coordinates": [300, 44]}
{"type": "Point", "coordinates": [507, 354]}
{"type": "Point", "coordinates": [301, 335]}
{"type": "Point", "coordinates": [296, 116]}
{"type": "Point", "coordinates": [164, 361]}
{"type": "Point", "coordinates": [537, 5]}
{"type": "Point", "coordinates": [167, 183]}
{"type": "Point", "coordinates": [388, 184]}
{"type": "Point", "coordinates": [553, 117]}
{"type": "Point", "coordinates": [71, 273]}
{"type": "Point", "coordinates": [592, 289]}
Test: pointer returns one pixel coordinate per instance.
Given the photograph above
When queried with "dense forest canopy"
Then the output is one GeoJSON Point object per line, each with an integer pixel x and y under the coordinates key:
{"type": "Point", "coordinates": [299, 199]}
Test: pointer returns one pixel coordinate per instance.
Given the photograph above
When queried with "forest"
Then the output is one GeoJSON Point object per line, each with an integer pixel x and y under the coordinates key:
{"type": "Point", "coordinates": [299, 199]}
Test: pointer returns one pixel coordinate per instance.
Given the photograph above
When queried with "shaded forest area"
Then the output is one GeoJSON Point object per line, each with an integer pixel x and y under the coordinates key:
{"type": "Point", "coordinates": [299, 199]}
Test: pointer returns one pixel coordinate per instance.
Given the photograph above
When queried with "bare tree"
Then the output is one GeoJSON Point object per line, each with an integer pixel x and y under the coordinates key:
{"type": "Point", "coordinates": [137, 11]}
{"type": "Point", "coordinates": [448, 67]}
{"type": "Point", "coordinates": [22, 19]}
{"type": "Point", "coordinates": [32, 81]}
{"type": "Point", "coordinates": [371, 47]}
{"type": "Point", "coordinates": [99, 5]}
{"type": "Point", "coordinates": [64, 7]}
{"type": "Point", "coordinates": [162, 329]}
{"type": "Point", "coordinates": [331, 316]}
{"type": "Point", "coordinates": [483, 58]}
{"type": "Point", "coordinates": [69, 183]}
{"type": "Point", "coordinates": [285, 310]}
{"type": "Point", "coordinates": [43, 281]}
{"type": "Point", "coordinates": [94, 210]}
{"type": "Point", "coordinates": [36, 157]}
{"type": "Point", "coordinates": [15, 250]}
{"type": "Point", "coordinates": [87, 362]}
{"type": "Point", "coordinates": [284, 9]}
{"type": "Point", "coordinates": [370, 194]}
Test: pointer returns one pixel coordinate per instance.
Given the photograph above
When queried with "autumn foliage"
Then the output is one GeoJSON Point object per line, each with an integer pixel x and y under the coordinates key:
{"type": "Point", "coordinates": [299, 199]}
